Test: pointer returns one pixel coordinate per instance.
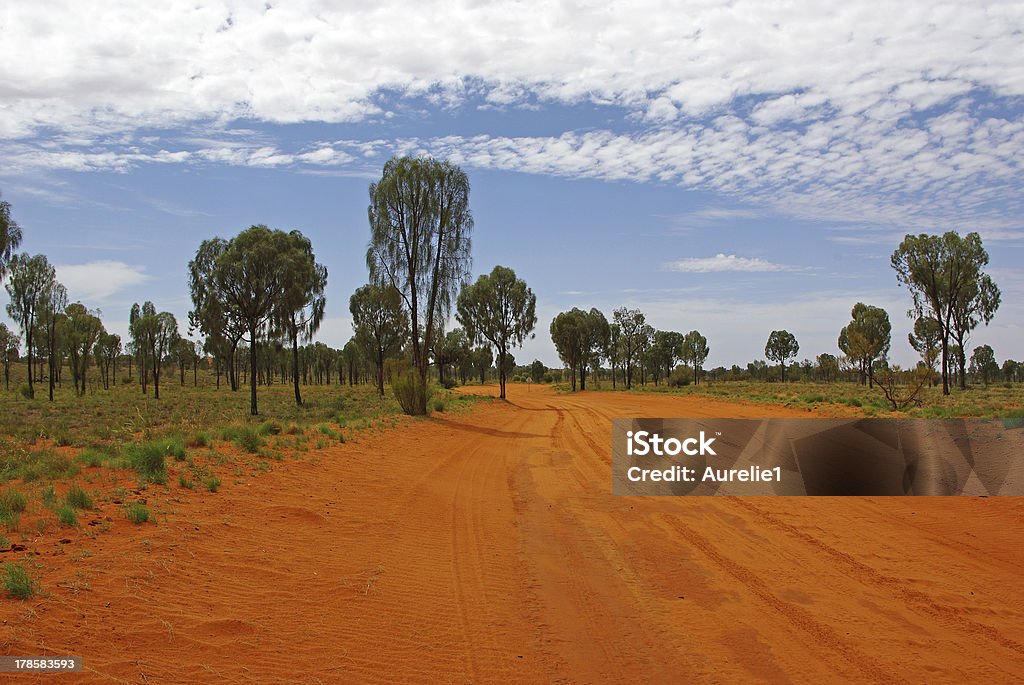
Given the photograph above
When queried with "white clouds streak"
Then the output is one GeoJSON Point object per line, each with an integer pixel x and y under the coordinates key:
{"type": "Point", "coordinates": [94, 282]}
{"type": "Point", "coordinates": [722, 262]}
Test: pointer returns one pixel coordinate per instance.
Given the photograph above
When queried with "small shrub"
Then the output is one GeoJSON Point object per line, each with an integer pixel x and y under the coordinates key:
{"type": "Point", "coordinates": [410, 391]}
{"type": "Point", "coordinates": [49, 497]}
{"type": "Point", "coordinates": [184, 482]}
{"type": "Point", "coordinates": [12, 501]}
{"type": "Point", "coordinates": [269, 428]}
{"type": "Point", "coordinates": [78, 498]}
{"type": "Point", "coordinates": [449, 383]}
{"type": "Point", "coordinates": [137, 513]}
{"type": "Point", "coordinates": [25, 391]}
{"type": "Point", "coordinates": [67, 516]}
{"type": "Point", "coordinates": [438, 404]}
{"type": "Point", "coordinates": [212, 483]}
{"type": "Point", "coordinates": [680, 378]}
{"type": "Point", "coordinates": [854, 402]}
{"type": "Point", "coordinates": [91, 456]}
{"type": "Point", "coordinates": [200, 439]}
{"type": "Point", "coordinates": [148, 458]}
{"type": "Point", "coordinates": [17, 581]}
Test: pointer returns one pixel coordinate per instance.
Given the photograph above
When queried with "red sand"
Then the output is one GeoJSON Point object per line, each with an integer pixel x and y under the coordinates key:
{"type": "Point", "coordinates": [486, 547]}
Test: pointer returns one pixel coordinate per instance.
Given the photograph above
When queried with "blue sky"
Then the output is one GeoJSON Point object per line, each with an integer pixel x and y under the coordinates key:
{"type": "Point", "coordinates": [730, 168]}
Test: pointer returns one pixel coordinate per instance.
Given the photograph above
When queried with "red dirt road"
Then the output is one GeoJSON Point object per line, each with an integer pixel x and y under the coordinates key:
{"type": "Point", "coordinates": [486, 547]}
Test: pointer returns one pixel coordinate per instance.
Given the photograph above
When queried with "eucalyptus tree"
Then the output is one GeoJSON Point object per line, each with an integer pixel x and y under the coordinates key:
{"type": "Point", "coordinates": [694, 349]}
{"type": "Point", "coordinates": [781, 347]}
{"type": "Point", "coordinates": [106, 350]}
{"type": "Point", "coordinates": [481, 359]}
{"type": "Point", "coordinates": [581, 339]}
{"type": "Point", "coordinates": [208, 315]}
{"type": "Point", "coordinates": [630, 323]}
{"type": "Point", "coordinates": [82, 330]}
{"type": "Point", "coordinates": [31, 277]}
{"type": "Point", "coordinates": [420, 239]}
{"type": "Point", "coordinates": [9, 343]}
{"type": "Point", "coordinates": [945, 278]}
{"type": "Point", "coordinates": [866, 338]}
{"type": "Point", "coordinates": [185, 354]}
{"type": "Point", "coordinates": [300, 309]}
{"type": "Point", "coordinates": [153, 333]}
{"type": "Point", "coordinates": [984, 364]}
{"type": "Point", "coordinates": [927, 341]}
{"type": "Point", "coordinates": [500, 309]}
{"type": "Point", "coordinates": [51, 318]}
{"type": "Point", "coordinates": [10, 236]}
{"type": "Point", "coordinates": [380, 324]}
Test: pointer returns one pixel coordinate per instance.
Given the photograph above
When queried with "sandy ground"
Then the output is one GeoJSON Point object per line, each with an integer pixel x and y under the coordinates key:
{"type": "Point", "coordinates": [486, 547]}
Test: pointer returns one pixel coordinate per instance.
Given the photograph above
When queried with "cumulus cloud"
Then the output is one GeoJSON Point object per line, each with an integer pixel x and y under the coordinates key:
{"type": "Point", "coordinates": [723, 262]}
{"type": "Point", "coordinates": [94, 282]}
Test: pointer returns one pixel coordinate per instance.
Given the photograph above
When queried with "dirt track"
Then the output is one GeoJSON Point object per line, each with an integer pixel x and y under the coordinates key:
{"type": "Point", "coordinates": [486, 547]}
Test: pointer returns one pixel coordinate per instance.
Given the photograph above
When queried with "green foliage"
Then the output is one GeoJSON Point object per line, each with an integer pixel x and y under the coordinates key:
{"type": "Point", "coordinates": [679, 378]}
{"type": "Point", "coordinates": [67, 516]}
{"type": "Point", "coordinates": [781, 347]}
{"type": "Point", "coordinates": [581, 339]}
{"type": "Point", "coordinates": [137, 513]}
{"type": "Point", "coordinates": [148, 458]}
{"type": "Point", "coordinates": [410, 391]}
{"type": "Point", "coordinates": [185, 482]}
{"type": "Point", "coordinates": [78, 498]}
{"type": "Point", "coordinates": [18, 582]}
{"type": "Point", "coordinates": [211, 483]}
{"type": "Point", "coordinates": [12, 501]}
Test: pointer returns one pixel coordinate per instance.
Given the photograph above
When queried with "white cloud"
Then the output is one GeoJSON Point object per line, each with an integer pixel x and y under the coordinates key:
{"type": "Point", "coordinates": [723, 262]}
{"type": "Point", "coordinates": [94, 282]}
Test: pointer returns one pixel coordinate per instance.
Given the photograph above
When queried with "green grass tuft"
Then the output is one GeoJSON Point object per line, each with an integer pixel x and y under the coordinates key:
{"type": "Point", "coordinates": [78, 498]}
{"type": "Point", "coordinates": [137, 513]}
{"type": "Point", "coordinates": [17, 581]}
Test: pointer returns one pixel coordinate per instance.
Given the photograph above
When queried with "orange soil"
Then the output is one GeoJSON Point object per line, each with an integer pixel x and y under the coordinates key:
{"type": "Point", "coordinates": [486, 547]}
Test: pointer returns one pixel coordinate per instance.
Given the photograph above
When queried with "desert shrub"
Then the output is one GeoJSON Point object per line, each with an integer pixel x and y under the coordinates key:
{"type": "Point", "coordinates": [67, 516]}
{"type": "Point", "coordinates": [680, 377]}
{"type": "Point", "coordinates": [91, 456]}
{"type": "Point", "coordinates": [212, 483]}
{"type": "Point", "coordinates": [148, 459]}
{"type": "Point", "coordinates": [246, 438]}
{"type": "Point", "coordinates": [269, 428]}
{"type": "Point", "coordinates": [410, 391]}
{"type": "Point", "coordinates": [12, 502]}
{"type": "Point", "coordinates": [200, 439]}
{"type": "Point", "coordinates": [17, 581]}
{"type": "Point", "coordinates": [78, 498]}
{"type": "Point", "coordinates": [449, 383]}
{"type": "Point", "coordinates": [137, 512]}
{"type": "Point", "coordinates": [438, 404]}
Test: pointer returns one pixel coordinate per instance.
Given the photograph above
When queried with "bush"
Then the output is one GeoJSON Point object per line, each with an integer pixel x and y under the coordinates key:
{"type": "Point", "coordinates": [67, 516]}
{"type": "Point", "coordinates": [91, 456]}
{"type": "Point", "coordinates": [148, 458]}
{"type": "Point", "coordinates": [17, 582]}
{"type": "Point", "coordinates": [411, 393]}
{"type": "Point", "coordinates": [438, 404]}
{"type": "Point", "coordinates": [212, 483]}
{"type": "Point", "coordinates": [78, 498]}
{"type": "Point", "coordinates": [25, 391]}
{"type": "Point", "coordinates": [680, 378]}
{"type": "Point", "coordinates": [449, 383]}
{"type": "Point", "coordinates": [137, 513]}
{"type": "Point", "coordinates": [245, 438]}
{"type": "Point", "coordinates": [200, 439]}
{"type": "Point", "coordinates": [12, 501]}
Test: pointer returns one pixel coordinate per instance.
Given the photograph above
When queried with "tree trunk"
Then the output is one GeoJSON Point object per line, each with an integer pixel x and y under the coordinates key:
{"type": "Point", "coordinates": [295, 365]}
{"type": "Point", "coordinates": [501, 371]}
{"type": "Point", "coordinates": [252, 371]}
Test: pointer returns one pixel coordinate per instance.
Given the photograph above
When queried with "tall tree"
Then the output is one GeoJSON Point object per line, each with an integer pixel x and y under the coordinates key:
{"type": "Point", "coordinates": [51, 316]}
{"type": "Point", "coordinates": [450, 350]}
{"type": "Point", "coordinates": [209, 314]}
{"type": "Point", "coordinates": [10, 236]}
{"type": "Point", "coordinates": [781, 347]}
{"type": "Point", "coordinates": [945, 278]}
{"type": "Point", "coordinates": [927, 341]}
{"type": "Point", "coordinates": [301, 307]}
{"type": "Point", "coordinates": [82, 329]}
{"type": "Point", "coordinates": [482, 358]}
{"type": "Point", "coordinates": [866, 338]}
{"type": "Point", "coordinates": [695, 351]}
{"type": "Point", "coordinates": [581, 339]}
{"type": "Point", "coordinates": [249, 277]}
{"type": "Point", "coordinates": [977, 304]}
{"type": "Point", "coordinates": [9, 343]}
{"type": "Point", "coordinates": [501, 309]}
{"type": "Point", "coordinates": [420, 239]}
{"type": "Point", "coordinates": [142, 329]}
{"type": "Point", "coordinates": [30, 279]}
{"type": "Point", "coordinates": [630, 323]}
{"type": "Point", "coordinates": [106, 351]}
{"type": "Point", "coordinates": [983, 363]}
{"type": "Point", "coordinates": [380, 324]}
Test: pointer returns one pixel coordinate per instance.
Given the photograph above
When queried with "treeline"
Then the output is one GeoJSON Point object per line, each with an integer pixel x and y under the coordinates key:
{"type": "Point", "coordinates": [951, 296]}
